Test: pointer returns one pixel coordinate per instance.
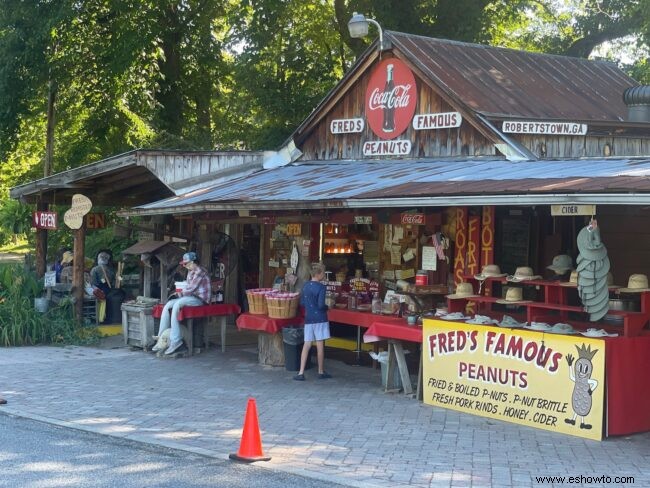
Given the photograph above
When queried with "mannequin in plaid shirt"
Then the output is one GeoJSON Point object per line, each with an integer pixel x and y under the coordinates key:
{"type": "Point", "coordinates": [197, 292]}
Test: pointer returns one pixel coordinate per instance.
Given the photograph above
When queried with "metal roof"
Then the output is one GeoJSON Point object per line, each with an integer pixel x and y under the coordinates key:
{"type": "Point", "coordinates": [141, 176]}
{"type": "Point", "coordinates": [358, 183]}
{"type": "Point", "coordinates": [504, 82]}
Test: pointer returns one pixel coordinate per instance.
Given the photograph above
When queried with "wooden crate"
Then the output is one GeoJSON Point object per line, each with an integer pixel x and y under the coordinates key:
{"type": "Point", "coordinates": [138, 326]}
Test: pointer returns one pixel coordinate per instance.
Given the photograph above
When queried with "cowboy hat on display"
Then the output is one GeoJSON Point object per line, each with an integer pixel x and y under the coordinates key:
{"type": "Point", "coordinates": [523, 273]}
{"type": "Point", "coordinates": [636, 284]}
{"type": "Point", "coordinates": [561, 264]}
{"type": "Point", "coordinates": [514, 296]}
{"type": "Point", "coordinates": [489, 271]}
{"type": "Point", "coordinates": [463, 290]}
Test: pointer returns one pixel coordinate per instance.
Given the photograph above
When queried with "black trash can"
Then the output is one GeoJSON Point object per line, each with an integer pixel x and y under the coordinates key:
{"type": "Point", "coordinates": [114, 299]}
{"type": "Point", "coordinates": [293, 339]}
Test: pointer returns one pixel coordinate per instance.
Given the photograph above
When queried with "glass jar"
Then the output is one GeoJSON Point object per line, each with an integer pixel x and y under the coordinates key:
{"type": "Point", "coordinates": [376, 304]}
{"type": "Point", "coordinates": [352, 300]}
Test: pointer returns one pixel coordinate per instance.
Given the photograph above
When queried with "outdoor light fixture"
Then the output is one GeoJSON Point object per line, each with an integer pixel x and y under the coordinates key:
{"type": "Point", "coordinates": [358, 27]}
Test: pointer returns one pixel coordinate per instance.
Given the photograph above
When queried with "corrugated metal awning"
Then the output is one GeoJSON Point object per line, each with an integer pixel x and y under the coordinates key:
{"type": "Point", "coordinates": [340, 184]}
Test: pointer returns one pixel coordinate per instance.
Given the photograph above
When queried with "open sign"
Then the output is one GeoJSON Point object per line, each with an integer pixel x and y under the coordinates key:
{"type": "Point", "coordinates": [44, 220]}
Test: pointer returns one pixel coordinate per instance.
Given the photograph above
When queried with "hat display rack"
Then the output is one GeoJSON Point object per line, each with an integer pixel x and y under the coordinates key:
{"type": "Point", "coordinates": [592, 268]}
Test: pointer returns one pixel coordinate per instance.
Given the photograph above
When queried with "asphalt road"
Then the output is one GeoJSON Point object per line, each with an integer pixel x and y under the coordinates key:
{"type": "Point", "coordinates": [38, 455]}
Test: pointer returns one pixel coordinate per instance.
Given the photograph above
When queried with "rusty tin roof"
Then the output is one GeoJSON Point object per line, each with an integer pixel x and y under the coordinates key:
{"type": "Point", "coordinates": [357, 183]}
{"type": "Point", "coordinates": [500, 82]}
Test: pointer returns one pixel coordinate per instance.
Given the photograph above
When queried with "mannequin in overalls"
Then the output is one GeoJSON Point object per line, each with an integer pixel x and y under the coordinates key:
{"type": "Point", "coordinates": [102, 276]}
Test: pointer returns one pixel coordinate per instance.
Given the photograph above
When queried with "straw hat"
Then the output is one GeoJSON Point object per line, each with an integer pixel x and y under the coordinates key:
{"type": "Point", "coordinates": [489, 271]}
{"type": "Point", "coordinates": [636, 284]}
{"type": "Point", "coordinates": [463, 290]}
{"type": "Point", "coordinates": [513, 296]}
{"type": "Point", "coordinates": [573, 279]}
{"type": "Point", "coordinates": [523, 273]}
{"type": "Point", "coordinates": [67, 257]}
{"type": "Point", "coordinates": [561, 264]}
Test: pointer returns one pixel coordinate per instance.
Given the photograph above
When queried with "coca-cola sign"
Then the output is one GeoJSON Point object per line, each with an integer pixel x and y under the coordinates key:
{"type": "Point", "coordinates": [413, 218]}
{"type": "Point", "coordinates": [390, 98]}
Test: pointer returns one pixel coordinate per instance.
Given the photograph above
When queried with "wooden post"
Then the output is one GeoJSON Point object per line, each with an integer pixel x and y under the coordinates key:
{"type": "Point", "coordinates": [41, 245]}
{"type": "Point", "coordinates": [78, 271]}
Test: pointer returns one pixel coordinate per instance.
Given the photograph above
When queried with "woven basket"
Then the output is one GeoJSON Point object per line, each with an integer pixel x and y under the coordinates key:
{"type": "Point", "coordinates": [257, 300]}
{"type": "Point", "coordinates": [283, 305]}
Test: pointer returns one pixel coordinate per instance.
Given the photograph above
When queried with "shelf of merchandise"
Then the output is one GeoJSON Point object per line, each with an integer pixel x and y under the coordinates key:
{"type": "Point", "coordinates": [555, 307]}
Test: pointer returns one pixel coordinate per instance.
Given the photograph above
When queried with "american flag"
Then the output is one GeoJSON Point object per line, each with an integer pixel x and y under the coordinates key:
{"type": "Point", "coordinates": [437, 242]}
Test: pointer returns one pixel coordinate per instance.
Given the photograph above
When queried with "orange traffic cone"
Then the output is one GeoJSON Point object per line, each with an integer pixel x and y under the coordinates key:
{"type": "Point", "coordinates": [250, 448]}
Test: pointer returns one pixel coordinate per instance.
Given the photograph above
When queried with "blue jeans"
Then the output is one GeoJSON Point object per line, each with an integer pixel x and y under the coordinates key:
{"type": "Point", "coordinates": [170, 313]}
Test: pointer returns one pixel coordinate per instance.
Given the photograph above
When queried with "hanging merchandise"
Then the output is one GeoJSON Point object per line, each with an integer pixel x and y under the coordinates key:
{"type": "Point", "coordinates": [592, 268]}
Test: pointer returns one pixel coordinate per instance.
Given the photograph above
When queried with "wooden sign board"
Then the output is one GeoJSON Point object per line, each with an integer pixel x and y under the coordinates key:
{"type": "Point", "coordinates": [570, 210]}
{"type": "Point", "coordinates": [96, 221]}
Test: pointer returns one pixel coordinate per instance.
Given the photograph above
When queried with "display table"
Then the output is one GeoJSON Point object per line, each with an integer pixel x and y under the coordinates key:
{"type": "Point", "coordinates": [189, 313]}
{"type": "Point", "coordinates": [264, 323]}
{"type": "Point", "coordinates": [269, 341]}
{"type": "Point", "coordinates": [627, 363]}
{"type": "Point", "coordinates": [395, 330]}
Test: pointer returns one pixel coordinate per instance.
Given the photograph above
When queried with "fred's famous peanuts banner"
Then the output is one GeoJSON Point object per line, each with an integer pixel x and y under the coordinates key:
{"type": "Point", "coordinates": [549, 381]}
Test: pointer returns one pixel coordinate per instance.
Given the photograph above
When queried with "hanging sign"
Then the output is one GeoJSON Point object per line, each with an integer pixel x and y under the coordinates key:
{"type": "Point", "coordinates": [400, 147]}
{"type": "Point", "coordinates": [294, 229]}
{"type": "Point", "coordinates": [412, 218]}
{"type": "Point", "coordinates": [346, 126]}
{"type": "Point", "coordinates": [390, 98]}
{"type": "Point", "coordinates": [536, 127]}
{"type": "Point", "coordinates": [363, 219]}
{"type": "Point", "coordinates": [443, 120]}
{"type": "Point", "coordinates": [568, 210]}
{"type": "Point", "coordinates": [549, 381]}
{"type": "Point", "coordinates": [44, 220]}
{"type": "Point", "coordinates": [81, 205]}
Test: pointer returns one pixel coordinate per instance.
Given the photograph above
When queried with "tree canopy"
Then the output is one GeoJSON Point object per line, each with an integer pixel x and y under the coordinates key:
{"type": "Point", "coordinates": [227, 74]}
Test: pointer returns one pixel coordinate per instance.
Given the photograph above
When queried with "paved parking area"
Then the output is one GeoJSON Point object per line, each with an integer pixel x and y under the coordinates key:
{"type": "Point", "coordinates": [345, 429]}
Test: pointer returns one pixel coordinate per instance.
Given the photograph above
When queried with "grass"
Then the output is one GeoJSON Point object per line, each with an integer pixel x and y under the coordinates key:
{"type": "Point", "coordinates": [21, 247]}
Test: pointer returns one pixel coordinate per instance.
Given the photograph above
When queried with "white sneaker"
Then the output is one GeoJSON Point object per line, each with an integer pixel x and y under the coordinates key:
{"type": "Point", "coordinates": [175, 346]}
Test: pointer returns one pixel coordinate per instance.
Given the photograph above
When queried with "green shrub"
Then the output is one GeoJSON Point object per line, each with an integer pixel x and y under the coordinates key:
{"type": "Point", "coordinates": [22, 324]}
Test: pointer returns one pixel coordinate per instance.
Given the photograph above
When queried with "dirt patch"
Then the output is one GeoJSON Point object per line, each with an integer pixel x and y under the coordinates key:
{"type": "Point", "coordinates": [11, 257]}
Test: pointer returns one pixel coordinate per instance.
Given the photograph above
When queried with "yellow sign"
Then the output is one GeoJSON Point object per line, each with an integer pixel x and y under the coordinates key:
{"type": "Point", "coordinates": [294, 229]}
{"type": "Point", "coordinates": [549, 381]}
{"type": "Point", "coordinates": [568, 210]}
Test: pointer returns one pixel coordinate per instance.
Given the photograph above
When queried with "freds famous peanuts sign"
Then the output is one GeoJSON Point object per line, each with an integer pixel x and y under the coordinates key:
{"type": "Point", "coordinates": [549, 381]}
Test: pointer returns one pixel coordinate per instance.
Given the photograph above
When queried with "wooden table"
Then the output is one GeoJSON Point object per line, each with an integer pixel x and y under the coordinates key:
{"type": "Point", "coordinates": [218, 310]}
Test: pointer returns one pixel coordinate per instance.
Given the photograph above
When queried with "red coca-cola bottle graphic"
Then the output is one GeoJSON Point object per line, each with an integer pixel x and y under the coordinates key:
{"type": "Point", "coordinates": [389, 105]}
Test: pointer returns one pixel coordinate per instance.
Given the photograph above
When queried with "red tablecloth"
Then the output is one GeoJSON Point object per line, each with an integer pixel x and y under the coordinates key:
{"type": "Point", "coordinates": [393, 328]}
{"type": "Point", "coordinates": [265, 323]}
{"type": "Point", "coordinates": [627, 363]}
{"type": "Point", "coordinates": [191, 312]}
{"type": "Point", "coordinates": [352, 317]}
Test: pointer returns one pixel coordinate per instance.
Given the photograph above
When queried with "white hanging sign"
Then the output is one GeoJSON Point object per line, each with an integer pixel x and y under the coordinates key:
{"type": "Point", "coordinates": [536, 127]}
{"type": "Point", "coordinates": [347, 126]}
{"type": "Point", "coordinates": [568, 210]}
{"type": "Point", "coordinates": [442, 120]}
{"type": "Point", "coordinates": [399, 147]}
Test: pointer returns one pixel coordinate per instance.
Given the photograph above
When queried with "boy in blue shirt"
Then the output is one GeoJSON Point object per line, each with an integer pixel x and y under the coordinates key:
{"type": "Point", "coordinates": [317, 327]}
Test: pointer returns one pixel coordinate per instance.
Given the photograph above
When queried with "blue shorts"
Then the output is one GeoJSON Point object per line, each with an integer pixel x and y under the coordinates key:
{"type": "Point", "coordinates": [317, 332]}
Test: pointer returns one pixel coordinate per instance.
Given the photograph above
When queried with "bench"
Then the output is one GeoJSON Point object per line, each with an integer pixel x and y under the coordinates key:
{"type": "Point", "coordinates": [189, 313]}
